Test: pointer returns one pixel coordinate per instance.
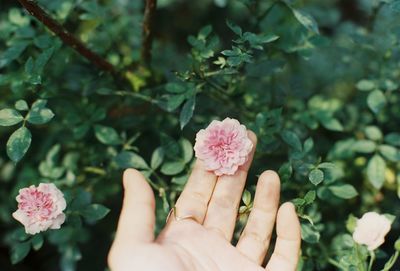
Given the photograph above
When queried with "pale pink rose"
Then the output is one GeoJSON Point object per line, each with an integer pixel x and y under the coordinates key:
{"type": "Point", "coordinates": [223, 146]}
{"type": "Point", "coordinates": [371, 230]}
{"type": "Point", "coordinates": [40, 208]}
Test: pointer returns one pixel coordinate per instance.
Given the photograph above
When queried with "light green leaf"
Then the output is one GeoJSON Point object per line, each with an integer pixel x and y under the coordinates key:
{"type": "Point", "coordinates": [364, 146]}
{"type": "Point", "coordinates": [376, 171]}
{"type": "Point", "coordinates": [187, 111]}
{"type": "Point", "coordinates": [157, 158]}
{"type": "Point", "coordinates": [393, 139]}
{"type": "Point", "coordinates": [376, 101]}
{"type": "Point", "coordinates": [107, 135]}
{"type": "Point", "coordinates": [39, 114]}
{"type": "Point", "coordinates": [310, 197]}
{"type": "Point", "coordinates": [12, 53]}
{"type": "Point", "coordinates": [246, 197]}
{"type": "Point", "coordinates": [309, 234]}
{"type": "Point", "coordinates": [316, 176]}
{"type": "Point", "coordinates": [37, 241]}
{"type": "Point", "coordinates": [21, 105]}
{"type": "Point", "coordinates": [172, 168]}
{"type": "Point", "coordinates": [327, 165]}
{"type": "Point", "coordinates": [390, 152]}
{"type": "Point", "coordinates": [345, 191]}
{"type": "Point", "coordinates": [365, 85]}
{"type": "Point", "coordinates": [9, 117]}
{"type": "Point", "coordinates": [373, 133]}
{"type": "Point", "coordinates": [127, 159]}
{"type": "Point", "coordinates": [187, 149]}
{"type": "Point", "coordinates": [18, 144]}
{"type": "Point", "coordinates": [306, 20]}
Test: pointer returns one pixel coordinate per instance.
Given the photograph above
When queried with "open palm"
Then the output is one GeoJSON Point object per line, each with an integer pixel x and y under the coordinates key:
{"type": "Point", "coordinates": [199, 237]}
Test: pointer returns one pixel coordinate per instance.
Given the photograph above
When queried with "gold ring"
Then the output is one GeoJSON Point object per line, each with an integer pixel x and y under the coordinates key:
{"type": "Point", "coordinates": [173, 212]}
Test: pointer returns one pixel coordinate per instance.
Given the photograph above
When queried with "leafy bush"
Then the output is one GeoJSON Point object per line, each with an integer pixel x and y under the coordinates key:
{"type": "Point", "coordinates": [317, 81]}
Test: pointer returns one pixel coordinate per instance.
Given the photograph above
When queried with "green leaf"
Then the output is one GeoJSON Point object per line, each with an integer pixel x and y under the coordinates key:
{"type": "Point", "coordinates": [364, 146]}
{"type": "Point", "coordinates": [373, 133]}
{"type": "Point", "coordinates": [234, 27]}
{"type": "Point", "coordinates": [292, 140]}
{"type": "Point", "coordinates": [393, 139]}
{"type": "Point", "coordinates": [327, 165]}
{"type": "Point", "coordinates": [330, 123]}
{"type": "Point", "coordinates": [187, 111]}
{"type": "Point", "coordinates": [187, 149]}
{"type": "Point", "coordinates": [390, 153]}
{"type": "Point", "coordinates": [246, 197]}
{"type": "Point", "coordinates": [18, 144]}
{"type": "Point", "coordinates": [19, 251]}
{"type": "Point", "coordinates": [172, 168]}
{"type": "Point", "coordinates": [94, 212]}
{"type": "Point", "coordinates": [127, 159]}
{"type": "Point", "coordinates": [351, 223]}
{"type": "Point", "coordinates": [180, 180]}
{"type": "Point", "coordinates": [365, 85]}
{"type": "Point", "coordinates": [37, 242]}
{"type": "Point", "coordinates": [41, 116]}
{"type": "Point", "coordinates": [177, 88]}
{"type": "Point", "coordinates": [344, 191]}
{"type": "Point", "coordinates": [9, 117]}
{"type": "Point", "coordinates": [397, 245]}
{"type": "Point", "coordinates": [310, 197]}
{"type": "Point", "coordinates": [309, 235]}
{"type": "Point", "coordinates": [21, 105]}
{"type": "Point", "coordinates": [12, 53]}
{"type": "Point", "coordinates": [376, 171]}
{"type": "Point", "coordinates": [107, 135]}
{"type": "Point", "coordinates": [306, 20]}
{"type": "Point", "coordinates": [376, 101]}
{"type": "Point", "coordinates": [316, 176]}
{"type": "Point", "coordinates": [157, 158]}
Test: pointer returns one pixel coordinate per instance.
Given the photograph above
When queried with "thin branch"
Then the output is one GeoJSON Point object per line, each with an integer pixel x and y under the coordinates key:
{"type": "Point", "coordinates": [147, 34]}
{"type": "Point", "coordinates": [67, 37]}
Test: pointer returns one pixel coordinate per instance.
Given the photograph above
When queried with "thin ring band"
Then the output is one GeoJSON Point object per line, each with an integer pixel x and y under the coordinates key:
{"type": "Point", "coordinates": [173, 212]}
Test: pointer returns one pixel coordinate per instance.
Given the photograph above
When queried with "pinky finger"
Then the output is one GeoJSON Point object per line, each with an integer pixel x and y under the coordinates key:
{"type": "Point", "coordinates": [287, 248]}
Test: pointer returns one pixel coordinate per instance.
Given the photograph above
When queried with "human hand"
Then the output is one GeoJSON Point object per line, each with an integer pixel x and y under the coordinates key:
{"type": "Point", "coordinates": [199, 237]}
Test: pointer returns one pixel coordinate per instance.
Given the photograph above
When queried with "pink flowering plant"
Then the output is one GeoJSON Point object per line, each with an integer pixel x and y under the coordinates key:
{"type": "Point", "coordinates": [90, 88]}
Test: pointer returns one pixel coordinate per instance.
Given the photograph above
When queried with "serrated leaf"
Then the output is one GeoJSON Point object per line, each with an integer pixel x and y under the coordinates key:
{"type": "Point", "coordinates": [157, 158]}
{"type": "Point", "coordinates": [107, 135]}
{"type": "Point", "coordinates": [127, 159]}
{"type": "Point", "coordinates": [316, 176]}
{"type": "Point", "coordinates": [376, 171]}
{"type": "Point", "coordinates": [345, 191]}
{"type": "Point", "coordinates": [18, 144]}
{"type": "Point", "coordinates": [9, 117]}
{"type": "Point", "coordinates": [187, 111]}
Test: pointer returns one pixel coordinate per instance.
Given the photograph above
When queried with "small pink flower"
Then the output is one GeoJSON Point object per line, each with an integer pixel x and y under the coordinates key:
{"type": "Point", "coordinates": [40, 208]}
{"type": "Point", "coordinates": [223, 146]}
{"type": "Point", "coordinates": [371, 230]}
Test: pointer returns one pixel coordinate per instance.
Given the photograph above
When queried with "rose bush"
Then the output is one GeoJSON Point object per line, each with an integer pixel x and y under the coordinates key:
{"type": "Point", "coordinates": [89, 88]}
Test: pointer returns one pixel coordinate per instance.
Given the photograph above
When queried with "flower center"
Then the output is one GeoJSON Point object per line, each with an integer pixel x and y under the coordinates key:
{"type": "Point", "coordinates": [36, 204]}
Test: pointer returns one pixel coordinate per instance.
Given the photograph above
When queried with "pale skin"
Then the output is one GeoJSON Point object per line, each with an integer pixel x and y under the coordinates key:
{"type": "Point", "coordinates": [198, 237]}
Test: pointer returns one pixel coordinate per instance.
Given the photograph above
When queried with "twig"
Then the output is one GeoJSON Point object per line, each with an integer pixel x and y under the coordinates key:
{"type": "Point", "coordinates": [67, 37]}
{"type": "Point", "coordinates": [147, 34]}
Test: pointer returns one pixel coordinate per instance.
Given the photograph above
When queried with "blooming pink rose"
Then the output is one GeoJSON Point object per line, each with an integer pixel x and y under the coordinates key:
{"type": "Point", "coordinates": [371, 230]}
{"type": "Point", "coordinates": [223, 146]}
{"type": "Point", "coordinates": [40, 208]}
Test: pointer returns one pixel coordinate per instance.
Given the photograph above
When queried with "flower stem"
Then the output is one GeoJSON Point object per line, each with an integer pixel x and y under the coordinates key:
{"type": "Point", "coordinates": [371, 260]}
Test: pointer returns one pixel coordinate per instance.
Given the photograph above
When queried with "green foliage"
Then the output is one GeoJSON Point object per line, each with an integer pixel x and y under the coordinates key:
{"type": "Point", "coordinates": [317, 81]}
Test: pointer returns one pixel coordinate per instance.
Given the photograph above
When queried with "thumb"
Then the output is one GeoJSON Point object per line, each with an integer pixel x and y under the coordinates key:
{"type": "Point", "coordinates": [137, 219]}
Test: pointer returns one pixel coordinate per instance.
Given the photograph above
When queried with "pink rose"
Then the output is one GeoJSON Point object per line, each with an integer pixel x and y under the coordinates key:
{"type": "Point", "coordinates": [371, 230]}
{"type": "Point", "coordinates": [223, 146]}
{"type": "Point", "coordinates": [40, 208]}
